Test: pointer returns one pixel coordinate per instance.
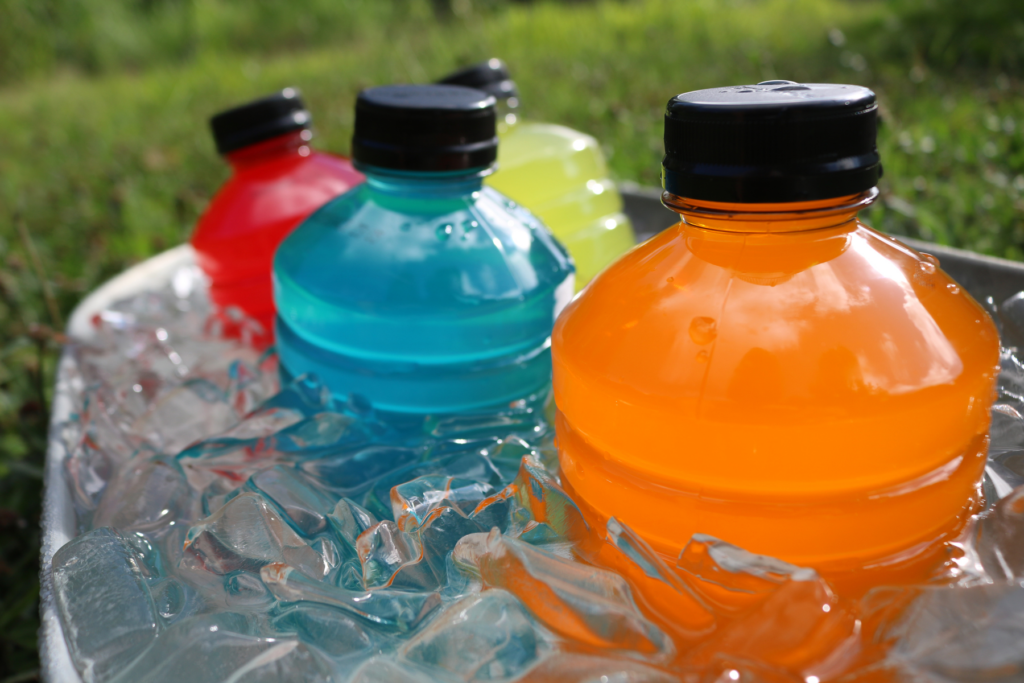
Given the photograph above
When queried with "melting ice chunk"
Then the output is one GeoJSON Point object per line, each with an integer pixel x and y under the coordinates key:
{"type": "Point", "coordinates": [579, 602]}
{"type": "Point", "coordinates": [246, 534]}
{"type": "Point", "coordinates": [390, 610]}
{"type": "Point", "coordinates": [104, 605]}
{"type": "Point", "coordinates": [343, 636]}
{"type": "Point", "coordinates": [305, 505]}
{"type": "Point", "coordinates": [221, 649]}
{"type": "Point", "coordinates": [999, 541]}
{"type": "Point", "coordinates": [971, 633]}
{"type": "Point", "coordinates": [144, 496]}
{"type": "Point", "coordinates": [479, 638]}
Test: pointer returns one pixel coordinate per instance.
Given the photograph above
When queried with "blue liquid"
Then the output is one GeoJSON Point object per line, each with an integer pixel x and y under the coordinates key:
{"type": "Point", "coordinates": [422, 292]}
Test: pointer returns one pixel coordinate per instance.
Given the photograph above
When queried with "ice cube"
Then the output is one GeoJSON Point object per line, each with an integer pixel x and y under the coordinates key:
{"type": "Point", "coordinates": [482, 637]}
{"type": "Point", "coordinates": [246, 534]}
{"type": "Point", "coordinates": [222, 648]}
{"type": "Point", "coordinates": [1010, 318]}
{"type": "Point", "coordinates": [660, 592]}
{"type": "Point", "coordinates": [219, 465]}
{"type": "Point", "coordinates": [440, 533]}
{"type": "Point", "coordinates": [389, 610]}
{"type": "Point", "coordinates": [1010, 384]}
{"type": "Point", "coordinates": [349, 473]}
{"type": "Point", "coordinates": [169, 597]}
{"type": "Point", "coordinates": [971, 633]}
{"type": "Point", "coordinates": [999, 540]}
{"type": "Point", "coordinates": [534, 508]}
{"type": "Point", "coordinates": [185, 414]}
{"type": "Point", "coordinates": [731, 579]}
{"type": "Point", "coordinates": [577, 601]}
{"type": "Point", "coordinates": [146, 495]}
{"type": "Point", "coordinates": [526, 419]}
{"type": "Point", "coordinates": [779, 615]}
{"type": "Point", "coordinates": [461, 463]}
{"type": "Point", "coordinates": [413, 500]}
{"type": "Point", "coordinates": [349, 521]}
{"type": "Point", "coordinates": [246, 592]}
{"type": "Point", "coordinates": [105, 607]}
{"type": "Point", "coordinates": [100, 446]}
{"type": "Point", "coordinates": [344, 637]}
{"type": "Point", "coordinates": [304, 505]}
{"type": "Point", "coordinates": [391, 557]}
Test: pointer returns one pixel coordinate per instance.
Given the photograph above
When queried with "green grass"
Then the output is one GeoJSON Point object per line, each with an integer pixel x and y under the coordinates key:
{"type": "Point", "coordinates": [105, 156]}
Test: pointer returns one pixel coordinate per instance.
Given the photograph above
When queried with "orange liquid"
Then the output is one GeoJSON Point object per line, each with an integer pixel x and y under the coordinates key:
{"type": "Point", "coordinates": [783, 378]}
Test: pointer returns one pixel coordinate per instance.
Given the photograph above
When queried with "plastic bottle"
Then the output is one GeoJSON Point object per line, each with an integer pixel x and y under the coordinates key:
{"type": "Point", "coordinates": [771, 371]}
{"type": "Point", "coordinates": [557, 173]}
{"type": "Point", "coordinates": [277, 180]}
{"type": "Point", "coordinates": [422, 290]}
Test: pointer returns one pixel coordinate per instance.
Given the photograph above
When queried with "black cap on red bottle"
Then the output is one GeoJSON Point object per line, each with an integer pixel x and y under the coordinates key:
{"type": "Point", "coordinates": [262, 119]}
{"type": "Point", "coordinates": [776, 141]}
{"type": "Point", "coordinates": [491, 76]}
{"type": "Point", "coordinates": [425, 128]}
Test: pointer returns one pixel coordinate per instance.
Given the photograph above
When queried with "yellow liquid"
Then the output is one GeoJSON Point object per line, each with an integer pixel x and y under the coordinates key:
{"type": "Point", "coordinates": [561, 176]}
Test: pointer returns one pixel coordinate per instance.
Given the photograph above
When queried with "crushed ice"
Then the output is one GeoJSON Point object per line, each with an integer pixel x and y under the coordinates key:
{"type": "Point", "coordinates": [231, 529]}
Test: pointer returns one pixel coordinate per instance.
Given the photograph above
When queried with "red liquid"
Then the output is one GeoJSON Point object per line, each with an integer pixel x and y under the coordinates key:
{"type": "Point", "coordinates": [276, 184]}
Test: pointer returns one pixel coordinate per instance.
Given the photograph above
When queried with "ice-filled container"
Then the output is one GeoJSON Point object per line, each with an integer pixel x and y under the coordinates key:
{"type": "Point", "coordinates": [984, 277]}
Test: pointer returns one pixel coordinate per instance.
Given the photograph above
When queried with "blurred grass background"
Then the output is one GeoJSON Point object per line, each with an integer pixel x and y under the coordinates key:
{"type": "Point", "coordinates": [105, 156]}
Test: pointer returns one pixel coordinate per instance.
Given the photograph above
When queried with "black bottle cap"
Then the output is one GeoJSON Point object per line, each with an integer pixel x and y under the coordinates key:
{"type": "Point", "coordinates": [259, 120]}
{"type": "Point", "coordinates": [424, 128]}
{"type": "Point", "coordinates": [776, 141]}
{"type": "Point", "coordinates": [491, 76]}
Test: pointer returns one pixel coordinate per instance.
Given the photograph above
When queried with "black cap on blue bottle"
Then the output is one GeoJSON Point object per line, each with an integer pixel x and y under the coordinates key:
{"type": "Point", "coordinates": [262, 119]}
{"type": "Point", "coordinates": [425, 128]}
{"type": "Point", "coordinates": [491, 76]}
{"type": "Point", "coordinates": [777, 141]}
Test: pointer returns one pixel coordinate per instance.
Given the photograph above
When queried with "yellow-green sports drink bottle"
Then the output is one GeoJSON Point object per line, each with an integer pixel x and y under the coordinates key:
{"type": "Point", "coordinates": [559, 174]}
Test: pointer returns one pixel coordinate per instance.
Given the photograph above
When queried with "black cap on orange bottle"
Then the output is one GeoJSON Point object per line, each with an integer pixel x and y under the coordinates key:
{"type": "Point", "coordinates": [777, 141]}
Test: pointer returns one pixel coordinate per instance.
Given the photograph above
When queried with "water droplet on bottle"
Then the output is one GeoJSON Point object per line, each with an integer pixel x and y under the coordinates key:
{"type": "Point", "coordinates": [953, 288]}
{"type": "Point", "coordinates": [702, 330]}
{"type": "Point", "coordinates": [445, 231]}
{"type": "Point", "coordinates": [927, 267]}
{"type": "Point", "coordinates": [470, 226]}
{"type": "Point", "coordinates": [930, 259]}
{"type": "Point", "coordinates": [703, 356]}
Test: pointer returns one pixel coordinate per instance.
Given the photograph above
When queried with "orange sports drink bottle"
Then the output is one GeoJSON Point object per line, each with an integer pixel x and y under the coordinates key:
{"type": "Point", "coordinates": [771, 371]}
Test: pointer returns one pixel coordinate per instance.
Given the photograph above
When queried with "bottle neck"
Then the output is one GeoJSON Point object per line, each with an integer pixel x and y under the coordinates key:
{"type": "Point", "coordinates": [785, 217]}
{"type": "Point", "coordinates": [293, 145]}
{"type": "Point", "coordinates": [425, 184]}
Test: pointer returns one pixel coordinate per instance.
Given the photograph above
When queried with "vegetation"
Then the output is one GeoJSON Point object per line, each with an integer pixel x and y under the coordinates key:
{"type": "Point", "coordinates": [105, 157]}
